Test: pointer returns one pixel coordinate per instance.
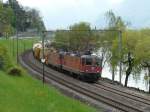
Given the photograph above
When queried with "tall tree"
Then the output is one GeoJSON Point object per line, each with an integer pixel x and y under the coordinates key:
{"type": "Point", "coordinates": [115, 23]}
{"type": "Point", "coordinates": [79, 38]}
{"type": "Point", "coordinates": [14, 16]}
{"type": "Point", "coordinates": [142, 55]}
{"type": "Point", "coordinates": [25, 18]}
{"type": "Point", "coordinates": [35, 19]}
{"type": "Point", "coordinates": [6, 18]}
{"type": "Point", "coordinates": [130, 39]}
{"type": "Point", "coordinates": [135, 55]}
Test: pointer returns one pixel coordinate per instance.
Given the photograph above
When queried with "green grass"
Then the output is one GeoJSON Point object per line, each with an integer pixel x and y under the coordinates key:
{"type": "Point", "coordinates": [26, 94]}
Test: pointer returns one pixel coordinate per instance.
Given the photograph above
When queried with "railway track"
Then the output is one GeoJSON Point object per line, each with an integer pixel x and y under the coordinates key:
{"type": "Point", "coordinates": [116, 90]}
{"type": "Point", "coordinates": [118, 100]}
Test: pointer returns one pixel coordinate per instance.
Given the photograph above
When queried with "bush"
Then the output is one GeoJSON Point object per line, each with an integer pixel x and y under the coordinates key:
{"type": "Point", "coordinates": [2, 57]}
{"type": "Point", "coordinates": [1, 62]}
{"type": "Point", "coordinates": [15, 71]}
{"type": "Point", "coordinates": [5, 61]}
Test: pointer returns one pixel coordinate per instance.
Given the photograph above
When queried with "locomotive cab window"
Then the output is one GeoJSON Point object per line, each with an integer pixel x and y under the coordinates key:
{"type": "Point", "coordinates": [83, 61]}
{"type": "Point", "coordinates": [89, 61]}
{"type": "Point", "coordinates": [86, 61]}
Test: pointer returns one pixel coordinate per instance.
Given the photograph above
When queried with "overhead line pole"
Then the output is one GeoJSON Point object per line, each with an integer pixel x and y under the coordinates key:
{"type": "Point", "coordinates": [120, 56]}
{"type": "Point", "coordinates": [43, 60]}
{"type": "Point", "coordinates": [16, 35]}
{"type": "Point", "coordinates": [13, 39]}
{"type": "Point", "coordinates": [17, 45]}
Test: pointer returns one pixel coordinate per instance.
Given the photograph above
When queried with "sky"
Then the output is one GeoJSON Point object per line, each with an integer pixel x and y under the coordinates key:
{"type": "Point", "coordinates": [59, 14]}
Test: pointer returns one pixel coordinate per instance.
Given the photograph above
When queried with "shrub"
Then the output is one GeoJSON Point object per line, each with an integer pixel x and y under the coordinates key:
{"type": "Point", "coordinates": [1, 62]}
{"type": "Point", "coordinates": [5, 61]}
{"type": "Point", "coordinates": [15, 71]}
{"type": "Point", "coordinates": [2, 57]}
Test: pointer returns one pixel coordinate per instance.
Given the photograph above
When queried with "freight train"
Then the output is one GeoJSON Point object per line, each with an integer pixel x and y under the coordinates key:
{"type": "Point", "coordinates": [83, 65]}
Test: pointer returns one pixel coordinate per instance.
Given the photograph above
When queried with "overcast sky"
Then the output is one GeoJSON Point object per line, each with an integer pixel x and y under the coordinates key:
{"type": "Point", "coordinates": [62, 13]}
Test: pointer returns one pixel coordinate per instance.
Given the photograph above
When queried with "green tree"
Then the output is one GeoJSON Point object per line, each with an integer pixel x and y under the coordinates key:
{"type": "Point", "coordinates": [142, 55]}
{"type": "Point", "coordinates": [14, 16]}
{"type": "Point", "coordinates": [17, 22]}
{"type": "Point", "coordinates": [79, 37]}
{"type": "Point", "coordinates": [129, 41]}
{"type": "Point", "coordinates": [116, 24]}
{"type": "Point", "coordinates": [35, 20]}
{"type": "Point", "coordinates": [6, 17]}
{"type": "Point", "coordinates": [25, 17]}
{"type": "Point", "coordinates": [135, 52]}
{"type": "Point", "coordinates": [61, 40]}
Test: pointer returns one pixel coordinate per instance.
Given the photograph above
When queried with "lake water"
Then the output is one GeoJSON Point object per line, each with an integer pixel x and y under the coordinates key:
{"type": "Point", "coordinates": [138, 82]}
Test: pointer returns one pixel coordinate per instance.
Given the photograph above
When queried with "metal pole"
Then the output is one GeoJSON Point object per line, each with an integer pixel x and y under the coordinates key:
{"type": "Point", "coordinates": [43, 74]}
{"type": "Point", "coordinates": [13, 43]}
{"type": "Point", "coordinates": [16, 33]}
{"type": "Point", "coordinates": [120, 56]}
{"type": "Point", "coordinates": [24, 45]}
{"type": "Point", "coordinates": [10, 44]}
{"type": "Point", "coordinates": [17, 36]}
{"type": "Point", "coordinates": [13, 47]}
{"type": "Point", "coordinates": [149, 82]}
{"type": "Point", "coordinates": [149, 79]}
{"type": "Point", "coordinates": [17, 44]}
{"type": "Point", "coordinates": [43, 36]}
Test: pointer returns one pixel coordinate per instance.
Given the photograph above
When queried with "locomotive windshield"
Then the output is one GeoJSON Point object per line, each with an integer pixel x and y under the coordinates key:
{"type": "Point", "coordinates": [91, 60]}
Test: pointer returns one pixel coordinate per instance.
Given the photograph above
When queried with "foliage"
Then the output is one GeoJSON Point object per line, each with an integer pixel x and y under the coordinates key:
{"type": "Point", "coordinates": [61, 40]}
{"type": "Point", "coordinates": [79, 38]}
{"type": "Point", "coordinates": [14, 16]}
{"type": "Point", "coordinates": [35, 19]}
{"type": "Point", "coordinates": [5, 61]}
{"type": "Point", "coordinates": [1, 62]}
{"type": "Point", "coordinates": [6, 17]}
{"type": "Point", "coordinates": [15, 71]}
{"type": "Point", "coordinates": [129, 40]}
{"type": "Point", "coordinates": [115, 22]}
{"type": "Point", "coordinates": [142, 53]}
{"type": "Point", "coordinates": [131, 57]}
{"type": "Point", "coordinates": [135, 51]}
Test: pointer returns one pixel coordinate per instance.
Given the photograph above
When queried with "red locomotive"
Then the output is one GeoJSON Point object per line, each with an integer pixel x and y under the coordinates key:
{"type": "Point", "coordinates": [87, 67]}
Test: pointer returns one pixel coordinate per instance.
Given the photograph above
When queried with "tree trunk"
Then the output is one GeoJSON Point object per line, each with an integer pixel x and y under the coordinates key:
{"type": "Point", "coordinates": [126, 80]}
{"type": "Point", "coordinates": [101, 64]}
{"type": "Point", "coordinates": [113, 74]}
{"type": "Point", "coordinates": [129, 69]}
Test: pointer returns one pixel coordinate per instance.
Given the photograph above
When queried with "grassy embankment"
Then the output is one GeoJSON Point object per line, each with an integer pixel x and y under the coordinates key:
{"type": "Point", "coordinates": [26, 94]}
